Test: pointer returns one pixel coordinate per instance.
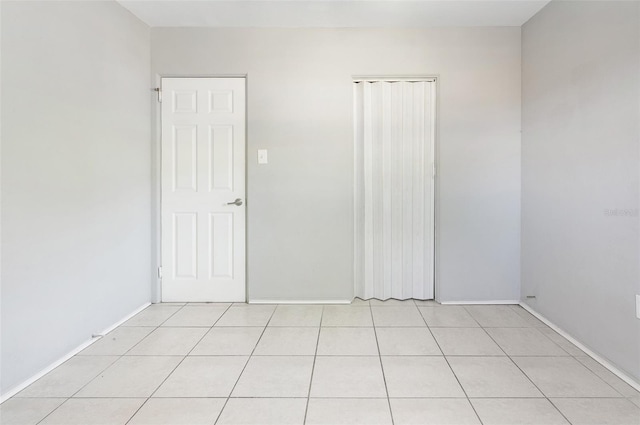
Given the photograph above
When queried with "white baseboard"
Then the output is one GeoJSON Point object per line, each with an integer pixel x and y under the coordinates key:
{"type": "Point", "coordinates": [499, 302]}
{"type": "Point", "coordinates": [604, 362]}
{"type": "Point", "coordinates": [16, 389]}
{"type": "Point", "coordinates": [299, 301]}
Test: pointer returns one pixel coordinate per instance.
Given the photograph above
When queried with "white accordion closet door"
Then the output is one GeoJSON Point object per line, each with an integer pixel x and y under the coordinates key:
{"type": "Point", "coordinates": [394, 238]}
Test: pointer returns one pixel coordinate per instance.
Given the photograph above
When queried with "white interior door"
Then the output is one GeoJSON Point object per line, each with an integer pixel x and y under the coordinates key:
{"type": "Point", "coordinates": [203, 175]}
{"type": "Point", "coordinates": [394, 127]}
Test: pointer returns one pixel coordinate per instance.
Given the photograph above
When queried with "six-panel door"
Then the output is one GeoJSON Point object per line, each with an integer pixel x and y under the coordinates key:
{"type": "Point", "coordinates": [203, 173]}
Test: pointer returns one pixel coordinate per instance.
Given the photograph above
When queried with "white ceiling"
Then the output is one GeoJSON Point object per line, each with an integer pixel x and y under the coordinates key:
{"type": "Point", "coordinates": [333, 13]}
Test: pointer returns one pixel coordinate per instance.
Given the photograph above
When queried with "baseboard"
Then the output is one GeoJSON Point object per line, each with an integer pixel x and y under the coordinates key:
{"type": "Point", "coordinates": [498, 302]}
{"type": "Point", "coordinates": [15, 390]}
{"type": "Point", "coordinates": [299, 302]}
{"type": "Point", "coordinates": [604, 362]}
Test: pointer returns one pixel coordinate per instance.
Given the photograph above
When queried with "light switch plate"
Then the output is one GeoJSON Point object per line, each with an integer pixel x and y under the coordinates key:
{"type": "Point", "coordinates": [262, 156]}
{"type": "Point", "coordinates": [638, 306]}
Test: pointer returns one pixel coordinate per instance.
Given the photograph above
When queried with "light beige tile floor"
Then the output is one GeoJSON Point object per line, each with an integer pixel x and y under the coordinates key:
{"type": "Point", "coordinates": [373, 362]}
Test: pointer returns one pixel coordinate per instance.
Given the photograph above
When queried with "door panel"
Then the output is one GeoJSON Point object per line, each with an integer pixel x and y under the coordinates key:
{"type": "Point", "coordinates": [184, 151]}
{"type": "Point", "coordinates": [221, 245]}
{"type": "Point", "coordinates": [203, 173]}
{"type": "Point", "coordinates": [185, 236]}
{"type": "Point", "coordinates": [221, 150]}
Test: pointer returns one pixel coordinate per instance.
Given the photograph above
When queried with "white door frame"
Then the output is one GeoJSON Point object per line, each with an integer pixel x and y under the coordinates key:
{"type": "Point", "coordinates": [156, 177]}
{"type": "Point", "coordinates": [357, 219]}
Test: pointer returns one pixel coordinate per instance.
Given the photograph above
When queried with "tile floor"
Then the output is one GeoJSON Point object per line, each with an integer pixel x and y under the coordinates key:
{"type": "Point", "coordinates": [367, 363]}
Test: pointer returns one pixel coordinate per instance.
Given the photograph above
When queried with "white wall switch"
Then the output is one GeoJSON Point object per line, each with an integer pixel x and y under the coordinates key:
{"type": "Point", "coordinates": [262, 156]}
{"type": "Point", "coordinates": [638, 306]}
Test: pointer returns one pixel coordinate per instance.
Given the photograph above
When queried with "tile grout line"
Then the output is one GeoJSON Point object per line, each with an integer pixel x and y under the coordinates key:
{"type": "Point", "coordinates": [522, 371]}
{"type": "Point", "coordinates": [486, 330]}
{"type": "Point", "coordinates": [536, 328]}
{"type": "Point", "coordinates": [450, 368]}
{"type": "Point", "coordinates": [637, 394]}
{"type": "Point", "coordinates": [599, 377]}
{"type": "Point", "coordinates": [179, 363]}
{"type": "Point", "coordinates": [246, 363]}
{"type": "Point", "coordinates": [338, 398]}
{"type": "Point", "coordinates": [110, 364]}
{"type": "Point", "coordinates": [384, 377]}
{"type": "Point", "coordinates": [569, 355]}
{"type": "Point", "coordinates": [534, 384]}
{"type": "Point", "coordinates": [313, 367]}
{"type": "Point", "coordinates": [338, 355]}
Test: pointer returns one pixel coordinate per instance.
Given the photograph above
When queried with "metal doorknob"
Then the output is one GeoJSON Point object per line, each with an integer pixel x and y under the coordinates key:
{"type": "Point", "coordinates": [237, 202]}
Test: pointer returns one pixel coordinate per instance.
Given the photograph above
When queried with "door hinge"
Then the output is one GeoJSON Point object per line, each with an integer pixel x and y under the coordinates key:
{"type": "Point", "coordinates": [159, 91]}
{"type": "Point", "coordinates": [433, 174]}
{"type": "Point", "coordinates": [159, 272]}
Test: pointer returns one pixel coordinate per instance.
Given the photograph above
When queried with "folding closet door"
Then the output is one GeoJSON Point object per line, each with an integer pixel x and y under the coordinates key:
{"type": "Point", "coordinates": [394, 239]}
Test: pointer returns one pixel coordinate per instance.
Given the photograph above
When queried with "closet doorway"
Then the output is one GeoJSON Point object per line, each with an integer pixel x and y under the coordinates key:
{"type": "Point", "coordinates": [394, 188]}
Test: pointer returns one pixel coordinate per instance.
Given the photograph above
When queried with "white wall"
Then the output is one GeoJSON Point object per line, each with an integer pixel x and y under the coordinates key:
{"type": "Point", "coordinates": [580, 146]}
{"type": "Point", "coordinates": [75, 177]}
{"type": "Point", "coordinates": [300, 106]}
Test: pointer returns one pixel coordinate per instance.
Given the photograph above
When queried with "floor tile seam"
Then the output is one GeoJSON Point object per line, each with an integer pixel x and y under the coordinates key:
{"type": "Point", "coordinates": [154, 330]}
{"type": "Point", "coordinates": [395, 326]}
{"type": "Point", "coordinates": [117, 358]}
{"type": "Point", "coordinates": [353, 327]}
{"type": "Point", "coordinates": [558, 409]}
{"type": "Point", "coordinates": [336, 397]}
{"type": "Point", "coordinates": [179, 363]}
{"type": "Point", "coordinates": [589, 371]}
{"type": "Point", "coordinates": [529, 378]}
{"type": "Point", "coordinates": [245, 364]}
{"type": "Point", "coordinates": [466, 308]}
{"type": "Point", "coordinates": [466, 396]}
{"type": "Point", "coordinates": [190, 327]}
{"type": "Point", "coordinates": [598, 376]}
{"type": "Point", "coordinates": [512, 327]}
{"type": "Point", "coordinates": [384, 376]}
{"type": "Point", "coordinates": [112, 363]}
{"type": "Point", "coordinates": [587, 398]}
{"type": "Point", "coordinates": [404, 397]}
{"type": "Point", "coordinates": [54, 410]}
{"type": "Point", "coordinates": [446, 327]}
{"type": "Point", "coordinates": [582, 353]}
{"type": "Point", "coordinates": [194, 326]}
{"type": "Point", "coordinates": [176, 367]}
{"type": "Point", "coordinates": [398, 307]}
{"type": "Point", "coordinates": [124, 325]}
{"type": "Point", "coordinates": [66, 399]}
{"type": "Point", "coordinates": [538, 331]}
{"type": "Point", "coordinates": [185, 355]}
{"type": "Point", "coordinates": [313, 368]}
{"type": "Point", "coordinates": [290, 326]}
{"type": "Point", "coordinates": [128, 350]}
{"type": "Point", "coordinates": [504, 353]}
{"type": "Point", "coordinates": [171, 315]}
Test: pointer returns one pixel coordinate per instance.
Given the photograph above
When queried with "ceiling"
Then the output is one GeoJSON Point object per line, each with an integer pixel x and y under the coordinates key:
{"type": "Point", "coordinates": [333, 13]}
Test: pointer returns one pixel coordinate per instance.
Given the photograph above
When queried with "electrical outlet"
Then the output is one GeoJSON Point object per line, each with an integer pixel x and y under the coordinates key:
{"type": "Point", "coordinates": [638, 306]}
